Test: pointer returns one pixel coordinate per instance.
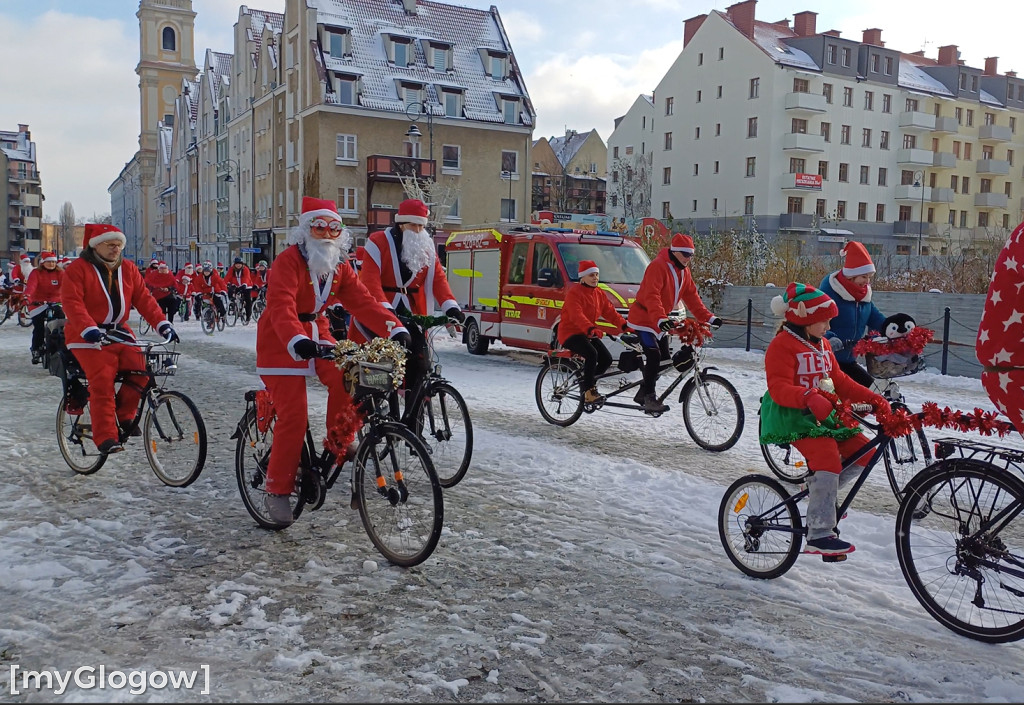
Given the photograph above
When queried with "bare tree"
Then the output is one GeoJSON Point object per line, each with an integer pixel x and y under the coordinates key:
{"type": "Point", "coordinates": [440, 196]}
{"type": "Point", "coordinates": [633, 188]}
{"type": "Point", "coordinates": [66, 227]}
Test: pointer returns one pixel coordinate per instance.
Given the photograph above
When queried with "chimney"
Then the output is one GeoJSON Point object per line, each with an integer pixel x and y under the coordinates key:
{"type": "Point", "coordinates": [1011, 74]}
{"type": "Point", "coordinates": [742, 16]}
{"type": "Point", "coordinates": [948, 55]}
{"type": "Point", "coordinates": [832, 33]}
{"type": "Point", "coordinates": [873, 37]}
{"type": "Point", "coordinates": [990, 66]}
{"type": "Point", "coordinates": [410, 6]}
{"type": "Point", "coordinates": [22, 128]}
{"type": "Point", "coordinates": [690, 28]}
{"type": "Point", "coordinates": [803, 23]}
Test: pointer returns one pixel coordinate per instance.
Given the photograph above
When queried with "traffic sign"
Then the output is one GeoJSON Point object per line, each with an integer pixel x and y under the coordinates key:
{"type": "Point", "coordinates": [252, 250]}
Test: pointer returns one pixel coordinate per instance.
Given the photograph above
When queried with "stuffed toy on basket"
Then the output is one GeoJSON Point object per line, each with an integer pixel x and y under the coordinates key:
{"type": "Point", "coordinates": [896, 350]}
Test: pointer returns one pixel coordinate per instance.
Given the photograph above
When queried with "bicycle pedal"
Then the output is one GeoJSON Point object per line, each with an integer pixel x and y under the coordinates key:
{"type": "Point", "coordinates": [835, 558]}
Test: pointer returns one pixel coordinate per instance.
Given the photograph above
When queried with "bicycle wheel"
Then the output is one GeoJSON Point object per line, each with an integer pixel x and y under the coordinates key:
{"type": "Point", "coordinates": [904, 458]}
{"type": "Point", "coordinates": [220, 322]}
{"type": "Point", "coordinates": [231, 312]}
{"type": "Point", "coordinates": [252, 456]}
{"type": "Point", "coordinates": [5, 312]}
{"type": "Point", "coordinates": [257, 309]}
{"type": "Point", "coordinates": [558, 393]}
{"type": "Point", "coordinates": [144, 327]}
{"type": "Point", "coordinates": [398, 494]}
{"type": "Point", "coordinates": [785, 461]}
{"type": "Point", "coordinates": [760, 526]}
{"type": "Point", "coordinates": [175, 438]}
{"type": "Point", "coordinates": [442, 422]}
{"type": "Point", "coordinates": [207, 320]}
{"type": "Point", "coordinates": [74, 438]}
{"type": "Point", "coordinates": [24, 320]}
{"type": "Point", "coordinates": [712, 412]}
{"type": "Point", "coordinates": [960, 544]}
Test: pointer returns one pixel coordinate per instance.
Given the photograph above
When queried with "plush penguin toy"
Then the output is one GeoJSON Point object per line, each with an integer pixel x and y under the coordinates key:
{"type": "Point", "coordinates": [895, 364]}
{"type": "Point", "coordinates": [898, 325]}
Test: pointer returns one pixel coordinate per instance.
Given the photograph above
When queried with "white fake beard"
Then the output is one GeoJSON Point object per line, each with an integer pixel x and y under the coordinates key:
{"type": "Point", "coordinates": [26, 269]}
{"type": "Point", "coordinates": [322, 256]}
{"type": "Point", "coordinates": [417, 249]}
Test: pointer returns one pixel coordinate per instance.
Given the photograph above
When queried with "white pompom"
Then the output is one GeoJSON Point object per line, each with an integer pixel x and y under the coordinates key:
{"type": "Point", "coordinates": [779, 306]}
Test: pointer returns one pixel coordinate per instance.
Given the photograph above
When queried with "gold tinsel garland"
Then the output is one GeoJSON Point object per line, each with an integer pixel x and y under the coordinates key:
{"type": "Point", "coordinates": [378, 350]}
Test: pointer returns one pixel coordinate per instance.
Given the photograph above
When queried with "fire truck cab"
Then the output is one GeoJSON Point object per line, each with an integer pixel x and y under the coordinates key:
{"type": "Point", "coordinates": [512, 285]}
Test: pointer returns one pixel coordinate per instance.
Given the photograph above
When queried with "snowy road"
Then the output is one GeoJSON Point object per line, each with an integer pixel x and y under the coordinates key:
{"type": "Point", "coordinates": [577, 564]}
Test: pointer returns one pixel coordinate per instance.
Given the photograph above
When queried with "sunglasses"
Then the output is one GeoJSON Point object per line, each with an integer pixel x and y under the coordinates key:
{"type": "Point", "coordinates": [321, 224]}
{"type": "Point", "coordinates": [686, 255]}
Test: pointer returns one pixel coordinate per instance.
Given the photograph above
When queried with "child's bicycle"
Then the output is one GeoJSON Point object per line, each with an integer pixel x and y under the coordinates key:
{"type": "Point", "coordinates": [173, 431]}
{"type": "Point", "coordinates": [391, 477]}
{"type": "Point", "coordinates": [16, 303]}
{"type": "Point", "coordinates": [209, 316]}
{"type": "Point", "coordinates": [712, 408]}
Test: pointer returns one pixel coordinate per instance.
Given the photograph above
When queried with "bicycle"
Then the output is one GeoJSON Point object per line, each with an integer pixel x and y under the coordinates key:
{"type": "Point", "coordinates": [173, 431]}
{"type": "Point", "coordinates": [54, 312]}
{"type": "Point", "coordinates": [260, 304]}
{"type": "Point", "coordinates": [712, 408]}
{"type": "Point", "coordinates": [232, 309]}
{"type": "Point", "coordinates": [960, 540]}
{"type": "Point", "coordinates": [436, 411]}
{"type": "Point", "coordinates": [903, 459]}
{"type": "Point", "coordinates": [391, 477]}
{"type": "Point", "coordinates": [16, 303]}
{"type": "Point", "coordinates": [209, 316]}
{"type": "Point", "coordinates": [760, 524]}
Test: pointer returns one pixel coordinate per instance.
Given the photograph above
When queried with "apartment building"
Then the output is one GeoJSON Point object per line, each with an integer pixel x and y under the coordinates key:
{"type": "Point", "coordinates": [630, 160]}
{"type": "Point", "coordinates": [21, 228]}
{"type": "Point", "coordinates": [569, 173]}
{"type": "Point", "coordinates": [818, 138]}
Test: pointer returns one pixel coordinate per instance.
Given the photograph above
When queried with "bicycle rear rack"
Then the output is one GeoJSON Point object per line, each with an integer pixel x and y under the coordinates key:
{"type": "Point", "coordinates": [970, 448]}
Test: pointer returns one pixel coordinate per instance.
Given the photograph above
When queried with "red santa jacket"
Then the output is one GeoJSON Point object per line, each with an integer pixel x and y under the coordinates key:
{"type": "Point", "coordinates": [792, 368]}
{"type": "Point", "coordinates": [242, 277]}
{"type": "Point", "coordinates": [88, 304]}
{"type": "Point", "coordinates": [380, 273]}
{"type": "Point", "coordinates": [1000, 340]}
{"type": "Point", "coordinates": [162, 284]}
{"type": "Point", "coordinates": [660, 289]}
{"type": "Point", "coordinates": [257, 278]}
{"type": "Point", "coordinates": [203, 284]}
{"type": "Point", "coordinates": [293, 294]}
{"type": "Point", "coordinates": [582, 307]}
{"type": "Point", "coordinates": [43, 287]}
{"type": "Point", "coordinates": [184, 280]}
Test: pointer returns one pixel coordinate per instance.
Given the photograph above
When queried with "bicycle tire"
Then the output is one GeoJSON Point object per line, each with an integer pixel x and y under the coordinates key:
{"type": "Point", "coordinates": [938, 545]}
{"type": "Point", "coordinates": [168, 441]}
{"type": "Point", "coordinates": [74, 439]}
{"type": "Point", "coordinates": [5, 313]}
{"type": "Point", "coordinates": [144, 327]}
{"type": "Point", "coordinates": [230, 316]}
{"type": "Point", "coordinates": [557, 392]}
{"type": "Point", "coordinates": [207, 320]}
{"type": "Point", "coordinates": [405, 529]}
{"type": "Point", "coordinates": [257, 309]}
{"type": "Point", "coordinates": [904, 458]}
{"type": "Point", "coordinates": [449, 439]}
{"type": "Point", "coordinates": [24, 320]}
{"type": "Point", "coordinates": [703, 422]}
{"type": "Point", "coordinates": [785, 461]}
{"type": "Point", "coordinates": [763, 544]}
{"type": "Point", "coordinates": [252, 456]}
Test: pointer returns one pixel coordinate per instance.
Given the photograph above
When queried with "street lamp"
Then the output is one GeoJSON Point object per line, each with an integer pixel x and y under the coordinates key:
{"type": "Point", "coordinates": [919, 183]}
{"type": "Point", "coordinates": [238, 185]}
{"type": "Point", "coordinates": [413, 111]}
{"type": "Point", "coordinates": [506, 174]}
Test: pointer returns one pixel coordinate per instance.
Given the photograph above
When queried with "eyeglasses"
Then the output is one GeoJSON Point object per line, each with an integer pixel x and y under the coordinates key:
{"type": "Point", "coordinates": [321, 224]}
{"type": "Point", "coordinates": [686, 255]}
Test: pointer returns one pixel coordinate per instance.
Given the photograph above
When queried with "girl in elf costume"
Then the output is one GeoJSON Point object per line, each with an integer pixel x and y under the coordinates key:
{"type": "Point", "coordinates": [802, 374]}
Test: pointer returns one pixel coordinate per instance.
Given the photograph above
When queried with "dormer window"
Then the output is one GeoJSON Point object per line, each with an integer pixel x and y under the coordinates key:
{"type": "Point", "coordinates": [510, 110]}
{"type": "Point", "coordinates": [338, 42]}
{"type": "Point", "coordinates": [495, 64]}
{"type": "Point", "coordinates": [346, 88]}
{"type": "Point", "coordinates": [452, 100]}
{"type": "Point", "coordinates": [440, 57]}
{"type": "Point", "coordinates": [410, 93]}
{"type": "Point", "coordinates": [402, 52]}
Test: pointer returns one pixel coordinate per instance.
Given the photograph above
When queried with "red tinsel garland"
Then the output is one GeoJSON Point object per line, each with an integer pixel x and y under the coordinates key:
{"type": "Point", "coordinates": [343, 429]}
{"type": "Point", "coordinates": [898, 422]}
{"type": "Point", "coordinates": [910, 344]}
{"type": "Point", "coordinates": [690, 332]}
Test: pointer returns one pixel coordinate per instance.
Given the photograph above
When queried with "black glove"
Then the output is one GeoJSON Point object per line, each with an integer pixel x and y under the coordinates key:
{"type": "Point", "coordinates": [168, 333]}
{"type": "Point", "coordinates": [667, 325]}
{"type": "Point", "coordinates": [306, 348]}
{"type": "Point", "coordinates": [93, 335]}
{"type": "Point", "coordinates": [403, 338]}
{"type": "Point", "coordinates": [456, 313]}
{"type": "Point", "coordinates": [336, 316]}
{"type": "Point", "coordinates": [715, 322]}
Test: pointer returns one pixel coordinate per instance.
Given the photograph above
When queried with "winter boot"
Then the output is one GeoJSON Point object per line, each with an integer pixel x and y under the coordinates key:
{"type": "Point", "coordinates": [279, 509]}
{"type": "Point", "coordinates": [591, 396]}
{"type": "Point", "coordinates": [653, 406]}
{"type": "Point", "coordinates": [110, 446]}
{"type": "Point", "coordinates": [823, 487]}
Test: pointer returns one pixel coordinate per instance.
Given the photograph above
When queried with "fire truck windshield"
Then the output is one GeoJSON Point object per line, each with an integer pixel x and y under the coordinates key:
{"type": "Point", "coordinates": [618, 264]}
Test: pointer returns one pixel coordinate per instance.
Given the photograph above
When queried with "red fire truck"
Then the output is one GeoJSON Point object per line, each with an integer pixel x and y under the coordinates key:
{"type": "Point", "coordinates": [511, 285]}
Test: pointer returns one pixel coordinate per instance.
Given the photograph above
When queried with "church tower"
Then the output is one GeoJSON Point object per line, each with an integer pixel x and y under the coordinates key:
{"type": "Point", "coordinates": [166, 56]}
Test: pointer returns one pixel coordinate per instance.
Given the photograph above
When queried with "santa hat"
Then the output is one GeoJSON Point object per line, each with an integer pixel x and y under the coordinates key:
{"type": "Point", "coordinates": [681, 243]}
{"type": "Point", "coordinates": [319, 207]}
{"type": "Point", "coordinates": [856, 260]}
{"type": "Point", "coordinates": [47, 257]}
{"type": "Point", "coordinates": [161, 263]}
{"type": "Point", "coordinates": [587, 266]}
{"type": "Point", "coordinates": [25, 258]}
{"type": "Point", "coordinates": [96, 233]}
{"type": "Point", "coordinates": [412, 210]}
{"type": "Point", "coordinates": [802, 304]}
{"type": "Point", "coordinates": [189, 265]}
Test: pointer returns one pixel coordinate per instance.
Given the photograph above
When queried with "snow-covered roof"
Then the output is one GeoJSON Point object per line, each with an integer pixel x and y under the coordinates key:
{"type": "Point", "coordinates": [566, 147]}
{"type": "Point", "coordinates": [260, 19]}
{"type": "Point", "coordinates": [469, 32]}
{"type": "Point", "coordinates": [769, 37]}
{"type": "Point", "coordinates": [913, 77]}
{"type": "Point", "coordinates": [17, 147]}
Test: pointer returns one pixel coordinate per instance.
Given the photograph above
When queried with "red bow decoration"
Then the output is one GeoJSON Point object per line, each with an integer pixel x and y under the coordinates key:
{"type": "Point", "coordinates": [342, 430]}
{"type": "Point", "coordinates": [910, 344]}
{"type": "Point", "coordinates": [690, 332]}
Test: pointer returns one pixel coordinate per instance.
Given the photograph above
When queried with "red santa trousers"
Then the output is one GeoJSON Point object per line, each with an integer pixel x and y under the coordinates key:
{"type": "Point", "coordinates": [100, 367]}
{"type": "Point", "coordinates": [1009, 399]}
{"type": "Point", "coordinates": [288, 392]}
{"type": "Point", "coordinates": [827, 454]}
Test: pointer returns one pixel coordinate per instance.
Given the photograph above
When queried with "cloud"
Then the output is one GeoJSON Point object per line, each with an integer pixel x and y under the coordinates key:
{"type": "Point", "coordinates": [82, 106]}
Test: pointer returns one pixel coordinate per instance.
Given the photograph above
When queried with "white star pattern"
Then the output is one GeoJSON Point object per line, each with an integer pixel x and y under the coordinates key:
{"type": "Point", "coordinates": [1015, 318]}
{"type": "Point", "coordinates": [1011, 263]}
{"type": "Point", "coordinates": [983, 335]}
{"type": "Point", "coordinates": [1003, 355]}
{"type": "Point", "coordinates": [995, 297]}
{"type": "Point", "coordinates": [1019, 286]}
{"type": "Point", "coordinates": [1004, 382]}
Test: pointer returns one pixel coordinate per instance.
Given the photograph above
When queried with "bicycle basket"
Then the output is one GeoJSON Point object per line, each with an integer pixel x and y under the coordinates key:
{"type": "Point", "coordinates": [893, 365]}
{"type": "Point", "coordinates": [630, 360]}
{"type": "Point", "coordinates": [370, 377]}
{"type": "Point", "coordinates": [683, 358]}
{"type": "Point", "coordinates": [163, 363]}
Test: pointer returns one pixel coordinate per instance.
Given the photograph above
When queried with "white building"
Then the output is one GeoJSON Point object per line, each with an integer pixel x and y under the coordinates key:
{"type": "Point", "coordinates": [630, 151]}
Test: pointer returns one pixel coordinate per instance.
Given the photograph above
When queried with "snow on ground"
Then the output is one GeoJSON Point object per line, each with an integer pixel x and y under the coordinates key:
{"type": "Point", "coordinates": [577, 564]}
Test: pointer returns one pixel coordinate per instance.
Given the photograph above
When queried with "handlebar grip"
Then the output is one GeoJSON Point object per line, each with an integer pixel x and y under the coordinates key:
{"type": "Point", "coordinates": [861, 408]}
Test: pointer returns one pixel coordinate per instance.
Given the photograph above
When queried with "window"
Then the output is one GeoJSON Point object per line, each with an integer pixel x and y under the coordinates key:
{"type": "Point", "coordinates": [719, 92]}
{"type": "Point", "coordinates": [1009, 157]}
{"type": "Point", "coordinates": [696, 133]}
{"type": "Point", "coordinates": [517, 265]}
{"type": "Point", "coordinates": [718, 129]}
{"type": "Point", "coordinates": [876, 63]}
{"type": "Point", "coordinates": [963, 219]}
{"type": "Point", "coordinates": [797, 165]}
{"type": "Point", "coordinates": [970, 118]}
{"type": "Point", "coordinates": [846, 57]}
{"type": "Point", "coordinates": [337, 43]}
{"type": "Point", "coordinates": [952, 218]}
{"type": "Point", "coordinates": [830, 53]}
{"type": "Point", "coordinates": [865, 174]}
{"type": "Point", "coordinates": [699, 93]}
{"type": "Point", "coordinates": [840, 209]}
{"type": "Point", "coordinates": [880, 213]}
{"type": "Point", "coordinates": [886, 103]}
{"type": "Point", "coordinates": [888, 66]}
{"type": "Point", "coordinates": [959, 113]}
{"type": "Point", "coordinates": [986, 152]}
{"type": "Point", "coordinates": [990, 118]}
{"type": "Point", "coordinates": [669, 105]}
{"type": "Point", "coordinates": [826, 131]}
{"type": "Point", "coordinates": [700, 59]}
{"type": "Point", "coordinates": [1008, 189]}
{"type": "Point", "coordinates": [629, 150]}
{"type": "Point", "coordinates": [615, 177]}
{"type": "Point", "coordinates": [819, 208]}
{"type": "Point", "coordinates": [752, 127]}
{"type": "Point", "coordinates": [931, 215]}
{"type": "Point", "coordinates": [794, 204]}
{"type": "Point", "coordinates": [1013, 122]}
{"type": "Point", "coordinates": [906, 177]}
{"type": "Point", "coordinates": [963, 81]}
{"type": "Point", "coordinates": [801, 85]}
{"type": "Point", "coordinates": [986, 186]}
{"type": "Point", "coordinates": [452, 103]}
{"type": "Point", "coordinates": [826, 90]}
{"type": "Point", "coordinates": [883, 175]}
{"type": "Point", "coordinates": [983, 219]}
{"type": "Point", "coordinates": [346, 148]}
{"type": "Point", "coordinates": [909, 141]}
{"type": "Point", "coordinates": [869, 100]}
{"type": "Point", "coordinates": [615, 152]}
{"type": "Point", "coordinates": [847, 97]}
{"type": "Point", "coordinates": [844, 172]}
{"type": "Point", "coordinates": [510, 161]}
{"type": "Point", "coordinates": [844, 134]}
{"type": "Point", "coordinates": [696, 169]}
{"type": "Point", "coordinates": [716, 166]}
{"type": "Point", "coordinates": [402, 51]}
{"type": "Point", "coordinates": [748, 205]}
{"type": "Point", "coordinates": [508, 213]}
{"type": "Point", "coordinates": [755, 86]}
{"type": "Point", "coordinates": [345, 89]}
{"type": "Point", "coordinates": [751, 164]}
{"type": "Point", "coordinates": [823, 170]}
{"type": "Point", "coordinates": [862, 211]}
{"type": "Point", "coordinates": [883, 139]}
{"type": "Point", "coordinates": [721, 53]}
{"type": "Point", "coordinates": [451, 156]}
{"type": "Point", "coordinates": [694, 207]}
{"type": "Point", "coordinates": [497, 66]}
{"type": "Point", "coordinates": [974, 84]}
{"type": "Point", "coordinates": [798, 126]}
{"type": "Point", "coordinates": [347, 200]}
{"type": "Point", "coordinates": [666, 211]}
{"type": "Point", "coordinates": [454, 210]}
{"type": "Point", "coordinates": [954, 183]}
{"type": "Point", "coordinates": [510, 110]}
{"type": "Point", "coordinates": [956, 149]}
{"type": "Point", "coordinates": [965, 185]}
{"type": "Point", "coordinates": [169, 41]}
{"type": "Point", "coordinates": [439, 59]}
{"type": "Point", "coordinates": [668, 141]}
{"type": "Point", "coordinates": [1006, 221]}
{"type": "Point", "coordinates": [967, 151]}
{"type": "Point", "coordinates": [903, 250]}
{"type": "Point", "coordinates": [666, 175]}
{"type": "Point", "coordinates": [912, 105]}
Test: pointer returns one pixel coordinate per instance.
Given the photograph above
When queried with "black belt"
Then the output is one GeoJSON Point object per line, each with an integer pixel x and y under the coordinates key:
{"type": "Point", "coordinates": [307, 317]}
{"type": "Point", "coordinates": [401, 289]}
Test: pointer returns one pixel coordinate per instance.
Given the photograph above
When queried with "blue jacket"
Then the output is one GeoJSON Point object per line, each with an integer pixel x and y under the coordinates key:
{"type": "Point", "coordinates": [855, 317]}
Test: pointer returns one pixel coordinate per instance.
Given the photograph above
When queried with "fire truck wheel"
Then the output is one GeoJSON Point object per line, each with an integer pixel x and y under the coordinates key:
{"type": "Point", "coordinates": [476, 344]}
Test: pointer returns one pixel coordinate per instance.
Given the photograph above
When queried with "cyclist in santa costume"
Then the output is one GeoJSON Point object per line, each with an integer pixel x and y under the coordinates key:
{"type": "Point", "coordinates": [309, 277]}
{"type": "Point", "coordinates": [43, 287]}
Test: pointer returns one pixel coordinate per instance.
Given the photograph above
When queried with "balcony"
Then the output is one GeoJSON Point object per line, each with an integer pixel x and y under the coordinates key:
{"type": "Point", "coordinates": [914, 228]}
{"type": "Point", "coordinates": [797, 221]}
{"type": "Point", "coordinates": [909, 192]}
{"type": "Point", "coordinates": [944, 160]}
{"type": "Point", "coordinates": [387, 168]}
{"type": "Point", "coordinates": [914, 121]}
{"type": "Point", "coordinates": [801, 182]}
{"type": "Point", "coordinates": [994, 133]}
{"type": "Point", "coordinates": [991, 200]}
{"type": "Point", "coordinates": [1000, 167]}
{"type": "Point", "coordinates": [803, 142]}
{"type": "Point", "coordinates": [946, 124]}
{"type": "Point", "coordinates": [805, 103]}
{"type": "Point", "coordinates": [942, 195]}
{"type": "Point", "coordinates": [921, 157]}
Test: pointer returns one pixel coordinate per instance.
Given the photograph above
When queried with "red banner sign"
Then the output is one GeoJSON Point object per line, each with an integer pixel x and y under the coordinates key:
{"type": "Point", "coordinates": [807, 180]}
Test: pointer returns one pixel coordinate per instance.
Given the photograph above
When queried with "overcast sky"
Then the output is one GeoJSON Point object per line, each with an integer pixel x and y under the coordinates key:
{"type": "Point", "coordinates": [69, 65]}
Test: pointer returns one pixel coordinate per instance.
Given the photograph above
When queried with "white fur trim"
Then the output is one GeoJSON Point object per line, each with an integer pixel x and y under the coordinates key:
{"type": "Point", "coordinates": [107, 237]}
{"type": "Point", "coordinates": [49, 259]}
{"type": "Point", "coordinates": [396, 330]}
{"type": "Point", "coordinates": [779, 306]}
{"type": "Point", "coordinates": [325, 212]}
{"type": "Point", "coordinates": [857, 271]}
{"type": "Point", "coordinates": [687, 250]}
{"type": "Point", "coordinates": [414, 219]}
{"type": "Point", "coordinates": [291, 346]}
{"type": "Point", "coordinates": [589, 270]}
{"type": "Point", "coordinates": [450, 303]}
